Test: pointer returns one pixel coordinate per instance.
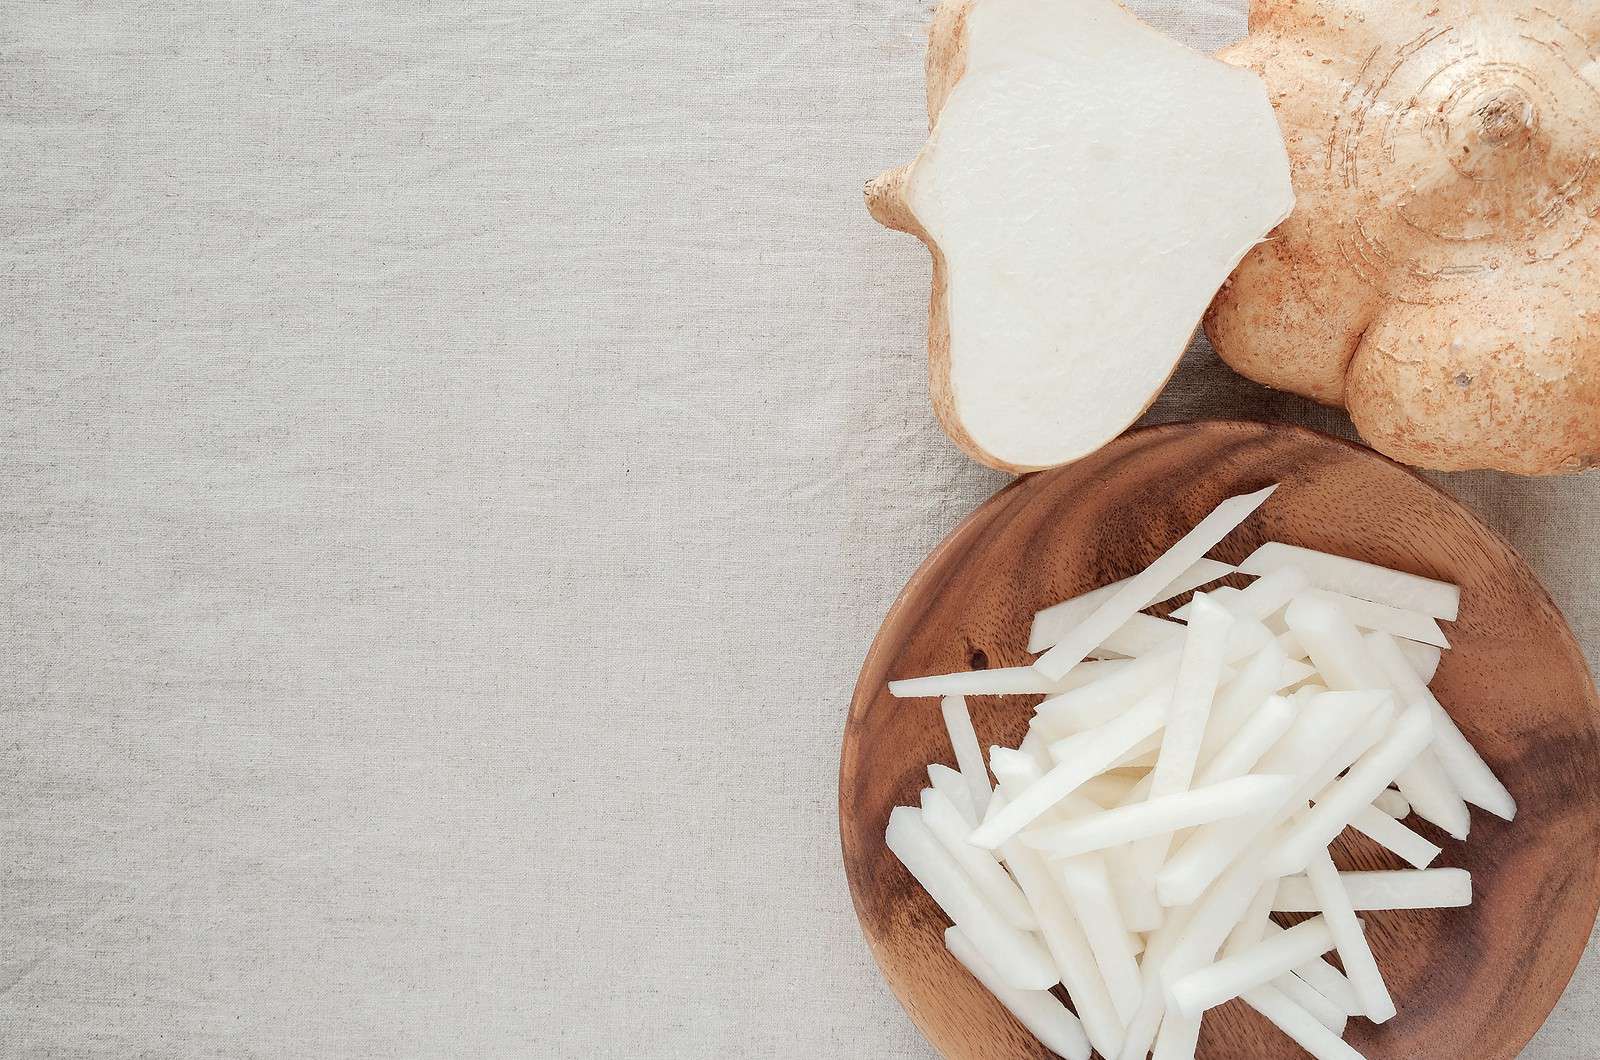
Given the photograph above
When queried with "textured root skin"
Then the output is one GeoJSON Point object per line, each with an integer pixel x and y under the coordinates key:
{"type": "Point", "coordinates": [886, 202]}
{"type": "Point", "coordinates": [1439, 280]}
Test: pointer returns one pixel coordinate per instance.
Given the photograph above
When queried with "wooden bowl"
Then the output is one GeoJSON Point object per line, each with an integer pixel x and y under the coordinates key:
{"type": "Point", "coordinates": [1473, 982]}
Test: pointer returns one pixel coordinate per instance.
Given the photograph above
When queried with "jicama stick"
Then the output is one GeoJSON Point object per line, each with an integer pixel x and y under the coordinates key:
{"type": "Point", "coordinates": [1355, 578]}
{"type": "Point", "coordinates": [1432, 796]}
{"type": "Point", "coordinates": [1225, 903]}
{"type": "Point", "coordinates": [1354, 953]}
{"type": "Point", "coordinates": [1192, 696]}
{"type": "Point", "coordinates": [1090, 754]}
{"type": "Point", "coordinates": [997, 886]}
{"type": "Point", "coordinates": [1067, 944]}
{"type": "Point", "coordinates": [1015, 954]}
{"type": "Point", "coordinates": [1141, 1030]}
{"type": "Point", "coordinates": [1395, 837]}
{"type": "Point", "coordinates": [1393, 803]}
{"type": "Point", "coordinates": [1087, 886]}
{"type": "Point", "coordinates": [1053, 623]}
{"type": "Point", "coordinates": [1213, 985]}
{"type": "Point", "coordinates": [954, 786]}
{"type": "Point", "coordinates": [1097, 703]}
{"type": "Point", "coordinates": [1335, 645]}
{"type": "Point", "coordinates": [1240, 698]}
{"type": "Point", "coordinates": [1138, 591]}
{"type": "Point", "coordinates": [1257, 736]}
{"type": "Point", "coordinates": [1424, 659]}
{"type": "Point", "coordinates": [1371, 774]}
{"type": "Point", "coordinates": [1472, 777]}
{"type": "Point", "coordinates": [1294, 672]}
{"type": "Point", "coordinates": [1037, 747]}
{"type": "Point", "coordinates": [1327, 1013]}
{"type": "Point", "coordinates": [1412, 625]}
{"type": "Point", "coordinates": [1045, 1017]}
{"type": "Point", "coordinates": [1299, 1025]}
{"type": "Point", "coordinates": [1303, 749]}
{"type": "Point", "coordinates": [1392, 889]}
{"type": "Point", "coordinates": [1108, 789]}
{"type": "Point", "coordinates": [1141, 635]}
{"type": "Point", "coordinates": [1001, 681]}
{"type": "Point", "coordinates": [969, 756]}
{"type": "Point", "coordinates": [1252, 927]}
{"type": "Point", "coordinates": [1328, 981]}
{"type": "Point", "coordinates": [1177, 1038]}
{"type": "Point", "coordinates": [1161, 815]}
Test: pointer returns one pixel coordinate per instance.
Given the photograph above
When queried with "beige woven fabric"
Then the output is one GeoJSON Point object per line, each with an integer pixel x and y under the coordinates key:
{"type": "Point", "coordinates": [452, 461]}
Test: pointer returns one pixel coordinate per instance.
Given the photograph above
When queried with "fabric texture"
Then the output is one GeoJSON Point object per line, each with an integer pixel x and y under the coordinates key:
{"type": "Point", "coordinates": [453, 459]}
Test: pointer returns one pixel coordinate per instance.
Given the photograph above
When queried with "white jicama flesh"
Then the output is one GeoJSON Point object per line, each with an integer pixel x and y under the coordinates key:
{"type": "Point", "coordinates": [1038, 1010]}
{"type": "Point", "coordinates": [1002, 892]}
{"type": "Point", "coordinates": [1136, 594]}
{"type": "Point", "coordinates": [1163, 806]}
{"type": "Point", "coordinates": [1402, 889]}
{"type": "Point", "coordinates": [1053, 623]}
{"type": "Point", "coordinates": [969, 755]}
{"type": "Point", "coordinates": [1253, 966]}
{"type": "Point", "coordinates": [1353, 577]}
{"type": "Point", "coordinates": [1020, 144]}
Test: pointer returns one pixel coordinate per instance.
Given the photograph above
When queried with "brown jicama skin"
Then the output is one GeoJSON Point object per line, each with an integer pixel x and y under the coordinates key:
{"type": "Point", "coordinates": [1440, 275]}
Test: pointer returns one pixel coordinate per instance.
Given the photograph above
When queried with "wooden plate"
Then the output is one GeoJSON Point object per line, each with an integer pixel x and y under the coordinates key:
{"type": "Point", "coordinates": [1472, 982]}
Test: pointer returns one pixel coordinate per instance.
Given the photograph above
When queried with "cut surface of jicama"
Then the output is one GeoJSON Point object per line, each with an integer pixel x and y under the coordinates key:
{"type": "Point", "coordinates": [1032, 288]}
{"type": "Point", "coordinates": [1164, 805]}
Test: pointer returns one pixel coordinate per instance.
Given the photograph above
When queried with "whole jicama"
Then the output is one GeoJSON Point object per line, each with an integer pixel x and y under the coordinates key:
{"type": "Point", "coordinates": [1440, 275]}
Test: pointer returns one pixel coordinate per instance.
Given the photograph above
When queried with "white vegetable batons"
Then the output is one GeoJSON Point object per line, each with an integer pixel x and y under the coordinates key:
{"type": "Point", "coordinates": [1046, 1018]}
{"type": "Point", "coordinates": [999, 889]}
{"type": "Point", "coordinates": [1064, 937]}
{"type": "Point", "coordinates": [969, 755]}
{"type": "Point", "coordinates": [1192, 696]}
{"type": "Point", "coordinates": [1257, 965]}
{"type": "Point", "coordinates": [1087, 886]}
{"type": "Point", "coordinates": [1053, 623]}
{"type": "Point", "coordinates": [1424, 659]}
{"type": "Point", "coordinates": [1002, 681]}
{"type": "Point", "coordinates": [1139, 590]}
{"type": "Point", "coordinates": [1411, 733]}
{"type": "Point", "coordinates": [954, 786]}
{"type": "Point", "coordinates": [1342, 656]}
{"type": "Point", "coordinates": [1254, 739]}
{"type": "Point", "coordinates": [1016, 955]}
{"type": "Point", "coordinates": [1177, 1038]}
{"type": "Point", "coordinates": [1393, 803]}
{"type": "Point", "coordinates": [1466, 769]}
{"type": "Point", "coordinates": [1353, 577]}
{"type": "Point", "coordinates": [1395, 837]}
{"type": "Point", "coordinates": [1038, 748]}
{"type": "Point", "coordinates": [1252, 926]}
{"type": "Point", "coordinates": [1317, 738]}
{"type": "Point", "coordinates": [1140, 635]}
{"type": "Point", "coordinates": [1412, 625]}
{"type": "Point", "coordinates": [1296, 989]}
{"type": "Point", "coordinates": [1394, 889]}
{"type": "Point", "coordinates": [1161, 815]}
{"type": "Point", "coordinates": [1090, 754]}
{"type": "Point", "coordinates": [1432, 796]}
{"type": "Point", "coordinates": [1100, 701]}
{"type": "Point", "coordinates": [1299, 1025]}
{"type": "Point", "coordinates": [1240, 698]}
{"type": "Point", "coordinates": [1351, 939]}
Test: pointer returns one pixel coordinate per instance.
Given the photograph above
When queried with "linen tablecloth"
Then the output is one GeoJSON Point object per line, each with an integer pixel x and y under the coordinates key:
{"type": "Point", "coordinates": [453, 458]}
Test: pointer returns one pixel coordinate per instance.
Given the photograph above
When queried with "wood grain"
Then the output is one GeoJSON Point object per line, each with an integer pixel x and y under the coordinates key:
{"type": "Point", "coordinates": [1472, 982]}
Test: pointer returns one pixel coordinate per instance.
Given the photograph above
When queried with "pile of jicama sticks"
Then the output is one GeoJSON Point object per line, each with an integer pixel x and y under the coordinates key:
{"type": "Point", "coordinates": [1182, 781]}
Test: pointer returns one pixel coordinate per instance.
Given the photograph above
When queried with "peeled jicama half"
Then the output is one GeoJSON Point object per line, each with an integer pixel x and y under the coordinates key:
{"type": "Point", "coordinates": [1087, 186]}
